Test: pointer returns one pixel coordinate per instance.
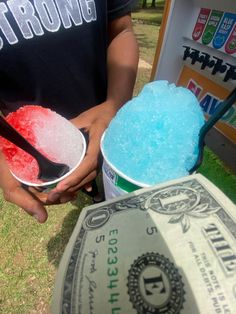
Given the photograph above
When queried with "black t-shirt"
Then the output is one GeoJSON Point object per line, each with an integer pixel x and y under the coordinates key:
{"type": "Point", "coordinates": [53, 52]}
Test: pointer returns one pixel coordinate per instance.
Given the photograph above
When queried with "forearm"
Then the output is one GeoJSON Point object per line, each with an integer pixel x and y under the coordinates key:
{"type": "Point", "coordinates": [122, 63]}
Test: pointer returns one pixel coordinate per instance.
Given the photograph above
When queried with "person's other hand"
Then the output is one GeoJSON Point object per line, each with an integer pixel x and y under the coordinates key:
{"type": "Point", "coordinates": [30, 199]}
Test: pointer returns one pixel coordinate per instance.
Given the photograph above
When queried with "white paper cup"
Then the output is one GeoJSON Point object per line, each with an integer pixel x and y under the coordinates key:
{"type": "Point", "coordinates": [115, 182]}
{"type": "Point", "coordinates": [51, 184]}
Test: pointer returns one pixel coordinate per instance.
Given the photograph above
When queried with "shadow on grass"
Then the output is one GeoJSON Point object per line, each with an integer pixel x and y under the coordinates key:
{"type": "Point", "coordinates": [152, 20]}
{"type": "Point", "coordinates": [148, 16]}
{"type": "Point", "coordinates": [144, 41]}
{"type": "Point", "coordinates": [57, 244]}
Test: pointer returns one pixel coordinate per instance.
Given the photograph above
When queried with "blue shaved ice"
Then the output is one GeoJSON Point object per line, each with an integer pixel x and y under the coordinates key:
{"type": "Point", "coordinates": [154, 137]}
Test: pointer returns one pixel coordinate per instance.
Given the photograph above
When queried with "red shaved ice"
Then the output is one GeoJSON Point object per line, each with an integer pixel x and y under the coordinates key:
{"type": "Point", "coordinates": [54, 136]}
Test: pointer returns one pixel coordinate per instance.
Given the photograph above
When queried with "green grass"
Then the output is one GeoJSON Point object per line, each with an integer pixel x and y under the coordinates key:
{"type": "Point", "coordinates": [150, 16]}
{"type": "Point", "coordinates": [30, 252]}
{"type": "Point", "coordinates": [147, 36]}
{"type": "Point", "coordinates": [215, 170]}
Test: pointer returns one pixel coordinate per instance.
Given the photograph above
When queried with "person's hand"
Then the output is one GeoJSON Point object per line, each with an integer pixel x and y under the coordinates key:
{"type": "Point", "coordinates": [122, 63]}
{"type": "Point", "coordinates": [30, 199]}
{"type": "Point", "coordinates": [94, 121]}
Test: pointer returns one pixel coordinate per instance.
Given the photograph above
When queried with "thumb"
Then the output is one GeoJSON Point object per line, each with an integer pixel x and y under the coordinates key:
{"type": "Point", "coordinates": [27, 202]}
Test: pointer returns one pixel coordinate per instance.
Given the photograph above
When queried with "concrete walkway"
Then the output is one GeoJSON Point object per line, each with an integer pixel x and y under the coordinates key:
{"type": "Point", "coordinates": [144, 65]}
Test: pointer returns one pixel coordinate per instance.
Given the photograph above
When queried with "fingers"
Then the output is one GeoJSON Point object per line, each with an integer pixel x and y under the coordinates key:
{"type": "Point", "coordinates": [73, 184]}
{"type": "Point", "coordinates": [27, 202]}
{"type": "Point", "coordinates": [55, 197]}
{"type": "Point", "coordinates": [67, 197]}
{"type": "Point", "coordinates": [87, 171]}
{"type": "Point", "coordinates": [60, 198]}
{"type": "Point", "coordinates": [84, 174]}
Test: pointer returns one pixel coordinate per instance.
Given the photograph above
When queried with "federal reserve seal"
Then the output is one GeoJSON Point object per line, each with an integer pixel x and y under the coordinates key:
{"type": "Point", "coordinates": [155, 285]}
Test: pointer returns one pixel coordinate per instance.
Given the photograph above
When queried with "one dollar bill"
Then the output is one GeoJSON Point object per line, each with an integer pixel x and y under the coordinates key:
{"type": "Point", "coordinates": [166, 249]}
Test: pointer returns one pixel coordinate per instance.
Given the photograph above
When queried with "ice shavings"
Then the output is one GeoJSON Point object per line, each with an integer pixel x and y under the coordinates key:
{"type": "Point", "coordinates": [154, 137]}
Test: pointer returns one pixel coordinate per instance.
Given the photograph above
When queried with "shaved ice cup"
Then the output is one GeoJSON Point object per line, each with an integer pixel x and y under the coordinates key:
{"type": "Point", "coordinates": [47, 186]}
{"type": "Point", "coordinates": [153, 138]}
{"type": "Point", "coordinates": [57, 137]}
{"type": "Point", "coordinates": [115, 182]}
